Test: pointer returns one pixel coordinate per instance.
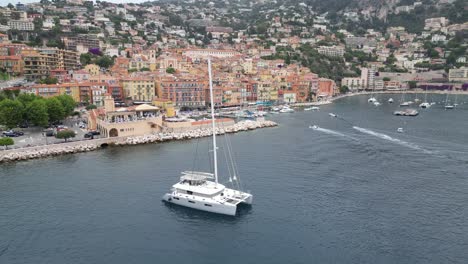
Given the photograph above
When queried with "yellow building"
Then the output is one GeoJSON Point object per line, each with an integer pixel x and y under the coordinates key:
{"type": "Point", "coordinates": [139, 89]}
{"type": "Point", "coordinates": [71, 89]}
{"type": "Point", "coordinates": [165, 104]}
{"type": "Point", "coordinates": [92, 69]}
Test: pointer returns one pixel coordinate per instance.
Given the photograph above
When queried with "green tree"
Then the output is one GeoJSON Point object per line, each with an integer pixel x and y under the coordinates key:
{"type": "Point", "coordinates": [91, 106]}
{"type": "Point", "coordinates": [26, 98]}
{"type": "Point", "coordinates": [170, 70]}
{"type": "Point", "coordinates": [68, 103]}
{"type": "Point", "coordinates": [6, 141]}
{"type": "Point", "coordinates": [104, 61]}
{"type": "Point", "coordinates": [55, 110]}
{"type": "Point", "coordinates": [11, 113]}
{"type": "Point", "coordinates": [85, 59]}
{"type": "Point", "coordinates": [386, 79]}
{"type": "Point", "coordinates": [412, 84]}
{"type": "Point", "coordinates": [344, 89]}
{"type": "Point", "coordinates": [49, 80]}
{"type": "Point", "coordinates": [36, 113]}
{"type": "Point", "coordinates": [10, 6]}
{"type": "Point", "coordinates": [65, 134]}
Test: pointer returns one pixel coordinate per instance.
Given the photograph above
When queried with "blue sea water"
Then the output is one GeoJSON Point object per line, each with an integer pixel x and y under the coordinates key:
{"type": "Point", "coordinates": [354, 191]}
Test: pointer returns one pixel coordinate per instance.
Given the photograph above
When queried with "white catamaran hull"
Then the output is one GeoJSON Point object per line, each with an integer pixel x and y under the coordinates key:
{"type": "Point", "coordinates": [226, 207]}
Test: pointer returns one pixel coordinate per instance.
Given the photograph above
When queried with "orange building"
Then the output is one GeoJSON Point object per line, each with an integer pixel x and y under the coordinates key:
{"type": "Point", "coordinates": [326, 88]}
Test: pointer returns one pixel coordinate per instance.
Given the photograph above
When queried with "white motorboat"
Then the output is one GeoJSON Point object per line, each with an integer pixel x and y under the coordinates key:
{"type": "Point", "coordinates": [425, 105]}
{"type": "Point", "coordinates": [313, 108]}
{"type": "Point", "coordinates": [372, 100]}
{"type": "Point", "coordinates": [449, 107]}
{"type": "Point", "coordinates": [314, 127]}
{"type": "Point", "coordinates": [406, 112]}
{"type": "Point", "coordinates": [405, 104]}
{"type": "Point", "coordinates": [390, 100]}
{"type": "Point", "coordinates": [286, 109]}
{"type": "Point", "coordinates": [400, 130]}
{"type": "Point", "coordinates": [376, 103]}
{"type": "Point", "coordinates": [201, 190]}
{"type": "Point", "coordinates": [332, 115]}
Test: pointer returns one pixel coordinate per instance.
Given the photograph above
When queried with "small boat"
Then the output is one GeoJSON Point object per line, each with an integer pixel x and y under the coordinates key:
{"type": "Point", "coordinates": [275, 109]}
{"type": "Point", "coordinates": [416, 100]}
{"type": "Point", "coordinates": [314, 127]}
{"type": "Point", "coordinates": [372, 100]}
{"type": "Point", "coordinates": [405, 103]}
{"type": "Point", "coordinates": [376, 103]}
{"type": "Point", "coordinates": [406, 112]}
{"type": "Point", "coordinates": [390, 101]}
{"type": "Point", "coordinates": [425, 105]}
{"type": "Point", "coordinates": [400, 130]}
{"type": "Point", "coordinates": [313, 108]}
{"type": "Point", "coordinates": [286, 109]}
{"type": "Point", "coordinates": [449, 107]}
{"type": "Point", "coordinates": [332, 115]}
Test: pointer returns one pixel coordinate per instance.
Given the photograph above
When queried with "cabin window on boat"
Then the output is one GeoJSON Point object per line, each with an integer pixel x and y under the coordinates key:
{"type": "Point", "coordinates": [191, 201]}
{"type": "Point", "coordinates": [177, 198]}
{"type": "Point", "coordinates": [189, 192]}
{"type": "Point", "coordinates": [208, 205]}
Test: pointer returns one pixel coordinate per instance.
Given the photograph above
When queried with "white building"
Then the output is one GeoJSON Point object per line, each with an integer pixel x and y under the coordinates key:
{"type": "Point", "coordinates": [458, 75]}
{"type": "Point", "coordinates": [331, 51]}
{"type": "Point", "coordinates": [21, 25]}
{"type": "Point", "coordinates": [437, 38]}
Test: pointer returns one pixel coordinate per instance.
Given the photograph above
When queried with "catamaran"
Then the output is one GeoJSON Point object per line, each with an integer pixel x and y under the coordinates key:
{"type": "Point", "coordinates": [202, 190]}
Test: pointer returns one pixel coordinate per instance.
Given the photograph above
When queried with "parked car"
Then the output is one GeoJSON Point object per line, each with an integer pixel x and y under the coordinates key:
{"type": "Point", "coordinates": [95, 132]}
{"type": "Point", "coordinates": [89, 135]}
{"type": "Point", "coordinates": [49, 132]}
{"type": "Point", "coordinates": [10, 134]}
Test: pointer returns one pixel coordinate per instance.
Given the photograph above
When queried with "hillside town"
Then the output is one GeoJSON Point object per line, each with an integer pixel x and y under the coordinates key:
{"type": "Point", "coordinates": [154, 55]}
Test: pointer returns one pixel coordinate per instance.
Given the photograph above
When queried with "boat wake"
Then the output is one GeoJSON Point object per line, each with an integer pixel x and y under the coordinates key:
{"type": "Point", "coordinates": [391, 139]}
{"type": "Point", "coordinates": [332, 132]}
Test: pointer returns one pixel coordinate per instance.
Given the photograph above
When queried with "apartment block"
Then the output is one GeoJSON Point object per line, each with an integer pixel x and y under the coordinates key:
{"type": "Point", "coordinates": [331, 51]}
{"type": "Point", "coordinates": [79, 42]}
{"type": "Point", "coordinates": [39, 62]}
{"type": "Point", "coordinates": [12, 64]}
{"type": "Point", "coordinates": [139, 89]}
{"type": "Point", "coordinates": [458, 75]}
{"type": "Point", "coordinates": [183, 90]}
{"type": "Point", "coordinates": [21, 25]}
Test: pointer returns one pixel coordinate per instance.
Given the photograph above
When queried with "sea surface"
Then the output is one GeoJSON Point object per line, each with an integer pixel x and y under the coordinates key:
{"type": "Point", "coordinates": [352, 191]}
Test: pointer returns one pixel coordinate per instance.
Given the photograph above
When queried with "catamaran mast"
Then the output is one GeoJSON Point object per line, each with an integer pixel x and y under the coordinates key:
{"type": "Point", "coordinates": [215, 158]}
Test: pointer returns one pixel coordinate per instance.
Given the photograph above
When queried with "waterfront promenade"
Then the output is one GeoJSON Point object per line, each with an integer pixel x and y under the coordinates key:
{"type": "Point", "coordinates": [93, 144]}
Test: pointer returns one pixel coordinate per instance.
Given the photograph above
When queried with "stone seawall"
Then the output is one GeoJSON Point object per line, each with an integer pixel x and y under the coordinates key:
{"type": "Point", "coordinates": [90, 145]}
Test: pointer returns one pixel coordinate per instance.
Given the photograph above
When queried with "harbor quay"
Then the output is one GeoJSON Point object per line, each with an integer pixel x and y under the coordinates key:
{"type": "Point", "coordinates": [94, 144]}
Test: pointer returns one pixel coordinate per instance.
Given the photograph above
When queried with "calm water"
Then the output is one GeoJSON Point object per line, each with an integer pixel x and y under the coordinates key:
{"type": "Point", "coordinates": [334, 195]}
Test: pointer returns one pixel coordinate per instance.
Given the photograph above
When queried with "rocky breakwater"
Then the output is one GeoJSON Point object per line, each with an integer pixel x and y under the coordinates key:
{"type": "Point", "coordinates": [45, 151]}
{"type": "Point", "coordinates": [90, 145]}
{"type": "Point", "coordinates": [198, 133]}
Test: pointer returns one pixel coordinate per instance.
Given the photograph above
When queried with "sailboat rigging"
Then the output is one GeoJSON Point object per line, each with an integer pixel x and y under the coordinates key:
{"type": "Point", "coordinates": [197, 190]}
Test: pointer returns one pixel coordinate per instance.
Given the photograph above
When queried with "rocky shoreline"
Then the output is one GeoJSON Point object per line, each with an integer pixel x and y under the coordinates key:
{"type": "Point", "coordinates": [85, 146]}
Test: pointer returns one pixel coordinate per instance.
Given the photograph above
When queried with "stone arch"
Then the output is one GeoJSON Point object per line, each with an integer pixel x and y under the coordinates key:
{"type": "Point", "coordinates": [113, 132]}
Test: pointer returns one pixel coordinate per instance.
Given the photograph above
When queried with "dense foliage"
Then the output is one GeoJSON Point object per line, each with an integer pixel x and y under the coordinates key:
{"type": "Point", "coordinates": [28, 109]}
